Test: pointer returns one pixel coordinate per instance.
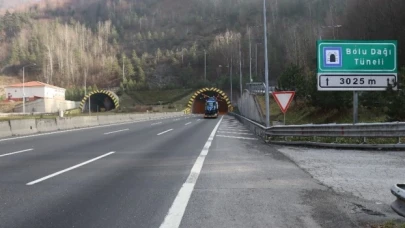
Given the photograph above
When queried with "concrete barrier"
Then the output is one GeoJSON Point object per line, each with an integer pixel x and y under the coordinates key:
{"type": "Point", "coordinates": [5, 130]}
{"type": "Point", "coordinates": [23, 127]}
{"type": "Point", "coordinates": [32, 126]}
{"type": "Point", "coordinates": [46, 125]}
{"type": "Point", "coordinates": [65, 123]}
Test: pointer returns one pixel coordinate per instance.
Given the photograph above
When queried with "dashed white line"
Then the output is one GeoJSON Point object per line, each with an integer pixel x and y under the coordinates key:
{"type": "Point", "coordinates": [17, 152]}
{"type": "Point", "coordinates": [112, 132]}
{"type": "Point", "coordinates": [187, 123]}
{"type": "Point", "coordinates": [161, 133]}
{"type": "Point", "coordinates": [68, 169]}
{"type": "Point", "coordinates": [156, 123]}
{"type": "Point", "coordinates": [79, 129]}
{"type": "Point", "coordinates": [235, 137]}
{"type": "Point", "coordinates": [198, 119]}
{"type": "Point", "coordinates": [176, 212]}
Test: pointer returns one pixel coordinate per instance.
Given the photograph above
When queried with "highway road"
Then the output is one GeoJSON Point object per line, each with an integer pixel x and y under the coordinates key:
{"type": "Point", "coordinates": [174, 172]}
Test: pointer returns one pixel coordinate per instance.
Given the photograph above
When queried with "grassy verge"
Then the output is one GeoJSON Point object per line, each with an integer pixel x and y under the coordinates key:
{"type": "Point", "coordinates": [300, 113]}
{"type": "Point", "coordinates": [389, 224]}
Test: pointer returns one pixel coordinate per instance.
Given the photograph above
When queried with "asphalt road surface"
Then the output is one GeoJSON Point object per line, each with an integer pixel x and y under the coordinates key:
{"type": "Point", "coordinates": [175, 172]}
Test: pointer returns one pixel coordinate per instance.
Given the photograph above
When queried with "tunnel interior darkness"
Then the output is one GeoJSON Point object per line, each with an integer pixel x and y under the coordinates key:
{"type": "Point", "coordinates": [199, 103]}
{"type": "Point", "coordinates": [99, 102]}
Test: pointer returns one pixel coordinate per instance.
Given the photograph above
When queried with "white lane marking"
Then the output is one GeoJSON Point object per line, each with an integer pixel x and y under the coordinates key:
{"type": "Point", "coordinates": [112, 132]}
{"type": "Point", "coordinates": [235, 137]}
{"type": "Point", "coordinates": [17, 152]}
{"type": "Point", "coordinates": [235, 133]}
{"type": "Point", "coordinates": [79, 129]}
{"type": "Point", "coordinates": [68, 169]}
{"type": "Point", "coordinates": [176, 212]}
{"type": "Point", "coordinates": [198, 119]}
{"type": "Point", "coordinates": [187, 123]}
{"type": "Point", "coordinates": [161, 133]}
{"type": "Point", "coordinates": [156, 123]}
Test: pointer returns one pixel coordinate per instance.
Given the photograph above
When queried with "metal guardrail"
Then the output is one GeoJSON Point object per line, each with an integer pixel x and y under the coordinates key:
{"type": "Point", "coordinates": [258, 88]}
{"type": "Point", "coordinates": [363, 131]}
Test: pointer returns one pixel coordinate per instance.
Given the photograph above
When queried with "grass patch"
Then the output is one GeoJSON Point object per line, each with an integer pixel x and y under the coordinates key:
{"type": "Point", "coordinates": [389, 224]}
{"type": "Point", "coordinates": [154, 97]}
{"type": "Point", "coordinates": [300, 113]}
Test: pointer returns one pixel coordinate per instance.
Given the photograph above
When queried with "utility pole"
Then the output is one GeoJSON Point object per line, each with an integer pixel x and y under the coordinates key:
{"type": "Point", "coordinates": [250, 58]}
{"type": "Point", "coordinates": [123, 69]}
{"type": "Point", "coordinates": [230, 75]}
{"type": "Point", "coordinates": [266, 64]}
{"type": "Point", "coordinates": [24, 84]}
{"type": "Point", "coordinates": [205, 66]}
{"type": "Point", "coordinates": [240, 70]}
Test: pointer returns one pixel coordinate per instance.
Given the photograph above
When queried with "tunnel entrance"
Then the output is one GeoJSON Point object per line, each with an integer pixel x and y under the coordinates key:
{"type": "Point", "coordinates": [197, 102]}
{"type": "Point", "coordinates": [99, 101]}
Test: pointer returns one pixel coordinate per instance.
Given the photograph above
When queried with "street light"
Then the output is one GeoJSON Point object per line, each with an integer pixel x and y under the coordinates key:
{"type": "Point", "coordinates": [34, 64]}
{"type": "Point", "coordinates": [266, 64]}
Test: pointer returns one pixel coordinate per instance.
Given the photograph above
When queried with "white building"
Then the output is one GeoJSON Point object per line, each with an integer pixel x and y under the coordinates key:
{"type": "Point", "coordinates": [33, 91]}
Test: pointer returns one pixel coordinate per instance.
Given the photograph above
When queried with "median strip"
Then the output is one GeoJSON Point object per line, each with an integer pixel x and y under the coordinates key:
{"type": "Point", "coordinates": [161, 133]}
{"type": "Point", "coordinates": [17, 152]}
{"type": "Point", "coordinates": [68, 169]}
{"type": "Point", "coordinates": [112, 132]}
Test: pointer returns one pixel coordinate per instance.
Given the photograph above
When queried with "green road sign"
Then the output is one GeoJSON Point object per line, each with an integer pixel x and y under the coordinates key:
{"type": "Point", "coordinates": [357, 56]}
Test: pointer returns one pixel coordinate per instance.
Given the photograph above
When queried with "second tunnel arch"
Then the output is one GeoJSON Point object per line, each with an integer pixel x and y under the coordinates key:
{"type": "Point", "coordinates": [99, 100]}
{"type": "Point", "coordinates": [196, 104]}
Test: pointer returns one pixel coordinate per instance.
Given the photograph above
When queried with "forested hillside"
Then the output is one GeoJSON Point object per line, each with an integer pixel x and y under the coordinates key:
{"type": "Point", "coordinates": [160, 43]}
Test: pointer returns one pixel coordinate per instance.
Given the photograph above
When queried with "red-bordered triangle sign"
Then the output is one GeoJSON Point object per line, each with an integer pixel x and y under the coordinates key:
{"type": "Point", "coordinates": [283, 99]}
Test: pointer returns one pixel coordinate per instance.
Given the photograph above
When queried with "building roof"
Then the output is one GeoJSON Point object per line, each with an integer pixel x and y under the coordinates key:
{"type": "Point", "coordinates": [32, 84]}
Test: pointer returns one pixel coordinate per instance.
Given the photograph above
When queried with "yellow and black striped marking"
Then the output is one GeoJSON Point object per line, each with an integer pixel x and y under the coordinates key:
{"type": "Point", "coordinates": [198, 92]}
{"type": "Point", "coordinates": [110, 94]}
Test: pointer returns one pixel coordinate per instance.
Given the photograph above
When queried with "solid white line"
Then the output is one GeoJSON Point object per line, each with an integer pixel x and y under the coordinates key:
{"type": "Point", "coordinates": [68, 169]}
{"type": "Point", "coordinates": [176, 212]}
{"type": "Point", "coordinates": [79, 129]}
{"type": "Point", "coordinates": [17, 152]}
{"type": "Point", "coordinates": [156, 123]}
{"type": "Point", "coordinates": [161, 133]}
{"type": "Point", "coordinates": [235, 137]}
{"type": "Point", "coordinates": [112, 132]}
{"type": "Point", "coordinates": [187, 123]}
{"type": "Point", "coordinates": [231, 129]}
{"type": "Point", "coordinates": [236, 133]}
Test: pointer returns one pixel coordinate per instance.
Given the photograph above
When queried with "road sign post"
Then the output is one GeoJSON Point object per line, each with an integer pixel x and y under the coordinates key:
{"type": "Point", "coordinates": [357, 66]}
{"type": "Point", "coordinates": [283, 99]}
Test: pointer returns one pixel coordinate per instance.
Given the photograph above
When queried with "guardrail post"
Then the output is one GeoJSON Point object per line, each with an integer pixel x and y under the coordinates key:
{"type": "Point", "coordinates": [365, 140]}
{"type": "Point", "coordinates": [399, 140]}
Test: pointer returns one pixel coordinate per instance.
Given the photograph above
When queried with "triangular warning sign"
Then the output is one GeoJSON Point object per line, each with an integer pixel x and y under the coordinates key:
{"type": "Point", "coordinates": [283, 99]}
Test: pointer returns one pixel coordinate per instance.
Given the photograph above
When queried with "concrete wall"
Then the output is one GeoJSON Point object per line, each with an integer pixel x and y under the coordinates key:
{"type": "Point", "coordinates": [47, 106]}
{"type": "Point", "coordinates": [248, 107]}
{"type": "Point", "coordinates": [32, 126]}
{"type": "Point", "coordinates": [17, 92]}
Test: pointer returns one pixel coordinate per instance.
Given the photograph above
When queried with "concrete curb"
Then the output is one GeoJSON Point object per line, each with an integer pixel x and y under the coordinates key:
{"type": "Point", "coordinates": [398, 205]}
{"type": "Point", "coordinates": [5, 129]}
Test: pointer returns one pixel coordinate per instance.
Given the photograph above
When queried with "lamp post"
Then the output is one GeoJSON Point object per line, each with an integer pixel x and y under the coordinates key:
{"type": "Point", "coordinates": [266, 64]}
{"type": "Point", "coordinates": [23, 68]}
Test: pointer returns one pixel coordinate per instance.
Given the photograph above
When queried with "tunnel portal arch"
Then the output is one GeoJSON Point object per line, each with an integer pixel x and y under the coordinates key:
{"type": "Point", "coordinates": [196, 103]}
{"type": "Point", "coordinates": [100, 100]}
